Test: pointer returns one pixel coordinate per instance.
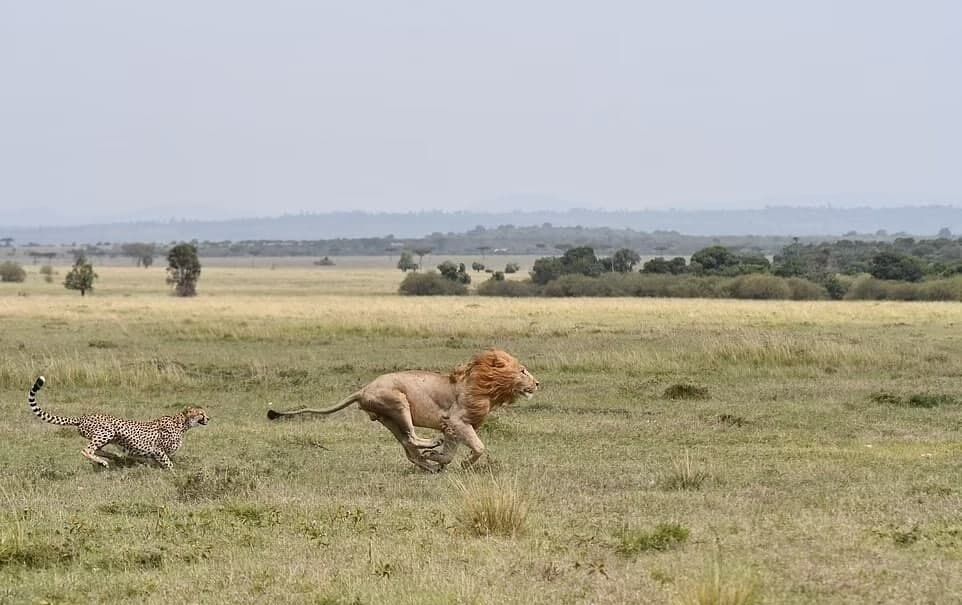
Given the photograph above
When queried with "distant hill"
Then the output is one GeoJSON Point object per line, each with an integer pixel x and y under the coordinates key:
{"type": "Point", "coordinates": [783, 221]}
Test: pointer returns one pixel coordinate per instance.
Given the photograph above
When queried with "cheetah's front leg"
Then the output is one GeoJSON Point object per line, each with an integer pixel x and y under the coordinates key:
{"type": "Point", "coordinates": [163, 459]}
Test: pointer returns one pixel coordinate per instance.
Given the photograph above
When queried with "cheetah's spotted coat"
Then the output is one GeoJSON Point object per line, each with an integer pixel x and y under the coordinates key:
{"type": "Point", "coordinates": [158, 438]}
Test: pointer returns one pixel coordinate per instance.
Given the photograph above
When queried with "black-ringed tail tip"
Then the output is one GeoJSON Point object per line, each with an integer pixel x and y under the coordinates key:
{"type": "Point", "coordinates": [40, 382]}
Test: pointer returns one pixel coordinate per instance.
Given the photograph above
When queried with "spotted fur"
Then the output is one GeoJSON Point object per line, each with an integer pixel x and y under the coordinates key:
{"type": "Point", "coordinates": [158, 439]}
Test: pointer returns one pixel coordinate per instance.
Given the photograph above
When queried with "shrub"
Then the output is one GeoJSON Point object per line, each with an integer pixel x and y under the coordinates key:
{"type": "Point", "coordinates": [802, 289]}
{"type": "Point", "coordinates": [759, 286]}
{"type": "Point", "coordinates": [48, 273]}
{"type": "Point", "coordinates": [430, 284]}
{"type": "Point", "coordinates": [513, 288]}
{"type": "Point", "coordinates": [12, 272]}
{"type": "Point", "coordinates": [865, 287]}
{"type": "Point", "coordinates": [512, 268]}
{"type": "Point", "coordinates": [943, 289]}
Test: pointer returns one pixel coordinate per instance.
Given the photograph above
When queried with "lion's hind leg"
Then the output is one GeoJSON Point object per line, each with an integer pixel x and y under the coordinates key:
{"type": "Point", "coordinates": [413, 452]}
{"type": "Point", "coordinates": [442, 451]}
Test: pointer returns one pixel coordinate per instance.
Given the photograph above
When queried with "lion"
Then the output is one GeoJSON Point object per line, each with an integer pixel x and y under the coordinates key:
{"type": "Point", "coordinates": [456, 404]}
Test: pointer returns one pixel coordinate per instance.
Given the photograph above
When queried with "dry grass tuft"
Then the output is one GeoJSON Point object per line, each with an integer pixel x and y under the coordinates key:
{"type": "Point", "coordinates": [490, 506]}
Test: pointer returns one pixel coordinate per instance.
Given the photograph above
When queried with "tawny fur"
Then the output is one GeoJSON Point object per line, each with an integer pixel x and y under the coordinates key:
{"type": "Point", "coordinates": [456, 404]}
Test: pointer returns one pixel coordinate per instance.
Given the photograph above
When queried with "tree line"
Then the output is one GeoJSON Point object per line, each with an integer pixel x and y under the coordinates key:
{"type": "Point", "coordinates": [903, 269]}
{"type": "Point", "coordinates": [183, 269]}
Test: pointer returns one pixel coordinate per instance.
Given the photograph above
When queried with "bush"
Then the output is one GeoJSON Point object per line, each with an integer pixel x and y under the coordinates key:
{"type": "Point", "coordinates": [512, 268]}
{"type": "Point", "coordinates": [865, 287]}
{"type": "Point", "coordinates": [759, 286]}
{"type": "Point", "coordinates": [48, 273]}
{"type": "Point", "coordinates": [582, 285]}
{"type": "Point", "coordinates": [430, 284]}
{"type": "Point", "coordinates": [12, 272]}
{"type": "Point", "coordinates": [802, 289]}
{"type": "Point", "coordinates": [513, 288]}
{"type": "Point", "coordinates": [943, 289]}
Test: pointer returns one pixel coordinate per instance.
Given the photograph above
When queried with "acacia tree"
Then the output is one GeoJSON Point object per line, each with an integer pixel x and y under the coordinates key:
{"type": "Point", "coordinates": [624, 260]}
{"type": "Point", "coordinates": [143, 252]}
{"type": "Point", "coordinates": [421, 252]}
{"type": "Point", "coordinates": [183, 269]}
{"type": "Point", "coordinates": [406, 262]}
{"type": "Point", "coordinates": [81, 276]}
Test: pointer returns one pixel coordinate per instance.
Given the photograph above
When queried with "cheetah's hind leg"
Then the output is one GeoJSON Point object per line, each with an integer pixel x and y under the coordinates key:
{"type": "Point", "coordinates": [90, 453]}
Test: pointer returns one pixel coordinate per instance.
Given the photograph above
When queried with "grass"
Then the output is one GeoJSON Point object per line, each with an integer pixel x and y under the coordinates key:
{"type": "Point", "coordinates": [809, 463]}
{"type": "Point", "coordinates": [663, 537]}
{"type": "Point", "coordinates": [489, 506]}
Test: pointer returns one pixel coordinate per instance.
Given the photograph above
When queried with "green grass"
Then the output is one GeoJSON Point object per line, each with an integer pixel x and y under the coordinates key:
{"type": "Point", "coordinates": [824, 459]}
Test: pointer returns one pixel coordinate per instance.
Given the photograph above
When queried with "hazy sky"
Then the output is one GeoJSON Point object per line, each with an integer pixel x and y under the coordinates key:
{"type": "Point", "coordinates": [157, 109]}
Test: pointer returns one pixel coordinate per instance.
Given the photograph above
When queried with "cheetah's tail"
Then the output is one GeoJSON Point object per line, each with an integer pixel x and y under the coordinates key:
{"type": "Point", "coordinates": [32, 400]}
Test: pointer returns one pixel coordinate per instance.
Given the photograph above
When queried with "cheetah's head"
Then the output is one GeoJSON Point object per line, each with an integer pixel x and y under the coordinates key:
{"type": "Point", "coordinates": [195, 416]}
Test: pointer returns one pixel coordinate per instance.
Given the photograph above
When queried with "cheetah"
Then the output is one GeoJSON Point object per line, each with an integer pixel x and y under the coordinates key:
{"type": "Point", "coordinates": [158, 438]}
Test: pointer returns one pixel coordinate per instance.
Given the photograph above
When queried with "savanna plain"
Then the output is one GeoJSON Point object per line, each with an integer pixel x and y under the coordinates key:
{"type": "Point", "coordinates": [679, 451]}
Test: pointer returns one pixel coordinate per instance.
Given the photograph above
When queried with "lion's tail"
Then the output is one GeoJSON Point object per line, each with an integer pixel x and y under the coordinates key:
{"type": "Point", "coordinates": [274, 414]}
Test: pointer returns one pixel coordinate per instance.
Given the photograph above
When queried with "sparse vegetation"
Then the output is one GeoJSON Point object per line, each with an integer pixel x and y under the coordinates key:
{"type": "Point", "coordinates": [789, 455]}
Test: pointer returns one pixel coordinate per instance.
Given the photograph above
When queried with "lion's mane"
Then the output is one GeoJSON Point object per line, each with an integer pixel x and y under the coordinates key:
{"type": "Point", "coordinates": [491, 379]}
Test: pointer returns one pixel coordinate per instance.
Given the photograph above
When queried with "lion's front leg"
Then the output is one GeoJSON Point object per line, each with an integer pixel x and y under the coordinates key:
{"type": "Point", "coordinates": [457, 430]}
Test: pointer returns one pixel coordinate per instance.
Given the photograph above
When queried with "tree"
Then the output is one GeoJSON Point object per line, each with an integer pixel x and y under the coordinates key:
{"type": "Point", "coordinates": [183, 269]}
{"type": "Point", "coordinates": [144, 253]}
{"type": "Point", "coordinates": [406, 262]}
{"type": "Point", "coordinates": [421, 252]}
{"type": "Point", "coordinates": [944, 233]}
{"type": "Point", "coordinates": [81, 276]}
{"type": "Point", "coordinates": [11, 271]}
{"type": "Point", "coordinates": [624, 260]}
{"type": "Point", "coordinates": [895, 266]}
{"type": "Point", "coordinates": [455, 273]}
{"type": "Point", "coordinates": [476, 266]}
{"type": "Point", "coordinates": [714, 260]}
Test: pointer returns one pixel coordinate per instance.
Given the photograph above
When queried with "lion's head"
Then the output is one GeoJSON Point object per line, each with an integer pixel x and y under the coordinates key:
{"type": "Point", "coordinates": [496, 376]}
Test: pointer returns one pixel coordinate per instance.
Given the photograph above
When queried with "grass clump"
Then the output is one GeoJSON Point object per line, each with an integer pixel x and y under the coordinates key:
{"type": "Point", "coordinates": [32, 556]}
{"type": "Point", "coordinates": [721, 586]}
{"type": "Point", "coordinates": [683, 475]}
{"type": "Point", "coordinates": [686, 391]}
{"type": "Point", "coordinates": [918, 400]}
{"type": "Point", "coordinates": [663, 537]}
{"type": "Point", "coordinates": [212, 484]}
{"type": "Point", "coordinates": [490, 507]}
